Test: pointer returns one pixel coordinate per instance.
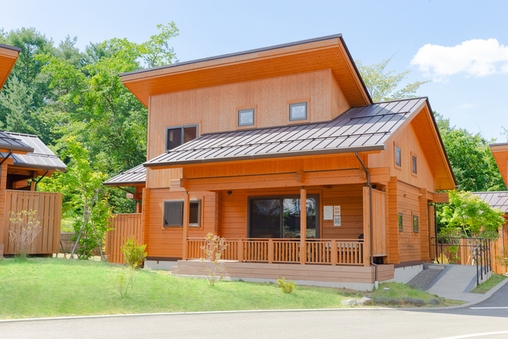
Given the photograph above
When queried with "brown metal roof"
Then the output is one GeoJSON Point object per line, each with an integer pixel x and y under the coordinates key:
{"type": "Point", "coordinates": [132, 177]}
{"type": "Point", "coordinates": [39, 155]}
{"type": "Point", "coordinates": [495, 199]}
{"type": "Point", "coordinates": [358, 129]}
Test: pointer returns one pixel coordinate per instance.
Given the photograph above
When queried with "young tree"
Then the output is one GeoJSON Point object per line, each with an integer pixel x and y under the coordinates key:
{"type": "Point", "coordinates": [383, 84]}
{"type": "Point", "coordinates": [470, 216]}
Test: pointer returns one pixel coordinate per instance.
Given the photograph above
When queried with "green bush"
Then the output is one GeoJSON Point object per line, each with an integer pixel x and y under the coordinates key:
{"type": "Point", "coordinates": [134, 254]}
{"type": "Point", "coordinates": [287, 286]}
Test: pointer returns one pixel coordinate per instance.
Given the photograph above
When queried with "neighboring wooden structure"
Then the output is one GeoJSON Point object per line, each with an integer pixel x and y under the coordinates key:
{"type": "Point", "coordinates": [24, 159]}
{"type": "Point", "coordinates": [123, 227]}
{"type": "Point", "coordinates": [237, 143]}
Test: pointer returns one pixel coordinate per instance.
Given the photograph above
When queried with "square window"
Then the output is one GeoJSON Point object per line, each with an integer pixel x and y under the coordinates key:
{"type": "Point", "coordinates": [173, 213]}
{"type": "Point", "coordinates": [414, 164]}
{"type": "Point", "coordinates": [176, 136]}
{"type": "Point", "coordinates": [398, 156]}
{"type": "Point", "coordinates": [246, 117]}
{"type": "Point", "coordinates": [298, 111]}
{"type": "Point", "coordinates": [416, 226]}
{"type": "Point", "coordinates": [400, 222]}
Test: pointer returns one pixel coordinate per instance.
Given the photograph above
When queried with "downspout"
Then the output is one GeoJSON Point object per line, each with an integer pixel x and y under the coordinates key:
{"type": "Point", "coordinates": [37, 182]}
{"type": "Point", "coordinates": [376, 282]}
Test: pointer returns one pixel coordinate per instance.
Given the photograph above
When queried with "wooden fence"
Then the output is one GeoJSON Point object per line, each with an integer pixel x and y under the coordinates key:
{"type": "Point", "coordinates": [123, 227]}
{"type": "Point", "coordinates": [317, 251]}
{"type": "Point", "coordinates": [48, 207]}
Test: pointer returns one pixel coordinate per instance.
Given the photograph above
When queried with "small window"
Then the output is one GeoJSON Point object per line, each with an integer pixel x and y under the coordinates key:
{"type": "Point", "coordinates": [416, 226]}
{"type": "Point", "coordinates": [414, 164]}
{"type": "Point", "coordinates": [246, 117]}
{"type": "Point", "coordinates": [398, 156]}
{"type": "Point", "coordinates": [173, 213]}
{"type": "Point", "coordinates": [298, 111]}
{"type": "Point", "coordinates": [400, 222]}
{"type": "Point", "coordinates": [177, 136]}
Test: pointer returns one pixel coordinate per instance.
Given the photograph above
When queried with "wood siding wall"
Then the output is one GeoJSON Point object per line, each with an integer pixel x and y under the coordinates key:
{"type": "Point", "coordinates": [215, 109]}
{"type": "Point", "coordinates": [49, 215]}
{"type": "Point", "coordinates": [379, 224]}
{"type": "Point", "coordinates": [123, 227]}
{"type": "Point", "coordinates": [499, 252]}
{"type": "Point", "coordinates": [409, 204]}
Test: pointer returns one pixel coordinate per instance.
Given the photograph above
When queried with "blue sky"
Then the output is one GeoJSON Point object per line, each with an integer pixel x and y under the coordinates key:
{"type": "Point", "coordinates": [460, 46]}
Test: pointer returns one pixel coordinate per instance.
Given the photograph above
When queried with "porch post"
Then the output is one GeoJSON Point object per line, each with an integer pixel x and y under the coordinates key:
{"type": "Point", "coordinates": [186, 212]}
{"type": "Point", "coordinates": [303, 225]}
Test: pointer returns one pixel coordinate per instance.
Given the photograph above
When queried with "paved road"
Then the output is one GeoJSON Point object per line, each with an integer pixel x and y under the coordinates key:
{"type": "Point", "coordinates": [353, 323]}
{"type": "Point", "coordinates": [488, 319]}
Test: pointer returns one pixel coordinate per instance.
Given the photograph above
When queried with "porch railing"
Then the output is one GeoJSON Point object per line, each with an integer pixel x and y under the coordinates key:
{"type": "Point", "coordinates": [317, 251]}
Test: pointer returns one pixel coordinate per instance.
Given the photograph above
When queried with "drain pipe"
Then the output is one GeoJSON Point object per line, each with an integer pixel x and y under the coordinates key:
{"type": "Point", "coordinates": [376, 282]}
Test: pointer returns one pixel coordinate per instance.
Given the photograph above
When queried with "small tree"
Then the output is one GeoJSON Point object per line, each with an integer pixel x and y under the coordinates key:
{"type": "Point", "coordinates": [23, 229]}
{"type": "Point", "coordinates": [468, 215]}
{"type": "Point", "coordinates": [134, 254]}
{"type": "Point", "coordinates": [213, 249]}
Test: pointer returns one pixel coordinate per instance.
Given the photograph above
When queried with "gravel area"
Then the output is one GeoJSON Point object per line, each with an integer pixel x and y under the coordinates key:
{"type": "Point", "coordinates": [424, 279]}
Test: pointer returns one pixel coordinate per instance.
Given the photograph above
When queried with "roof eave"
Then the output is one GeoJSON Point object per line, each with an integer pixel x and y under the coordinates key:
{"type": "Point", "coordinates": [375, 148]}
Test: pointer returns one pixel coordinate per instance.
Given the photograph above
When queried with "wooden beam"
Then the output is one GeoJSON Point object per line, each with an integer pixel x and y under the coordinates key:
{"type": "Point", "coordinates": [441, 198]}
{"type": "Point", "coordinates": [186, 213]}
{"type": "Point", "coordinates": [303, 225]}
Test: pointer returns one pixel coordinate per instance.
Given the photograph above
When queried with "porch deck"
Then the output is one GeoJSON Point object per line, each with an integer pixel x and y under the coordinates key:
{"type": "Point", "coordinates": [286, 251]}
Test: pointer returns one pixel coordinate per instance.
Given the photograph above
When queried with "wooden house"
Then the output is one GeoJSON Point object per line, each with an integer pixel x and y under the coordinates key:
{"type": "Point", "coordinates": [24, 160]}
{"type": "Point", "coordinates": [281, 151]}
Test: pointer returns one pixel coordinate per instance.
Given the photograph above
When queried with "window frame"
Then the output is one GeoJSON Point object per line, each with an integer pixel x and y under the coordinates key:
{"type": "Point", "coordinates": [400, 222]}
{"type": "Point", "coordinates": [414, 164]}
{"type": "Point", "coordinates": [296, 104]}
{"type": "Point", "coordinates": [397, 156]}
{"type": "Point", "coordinates": [416, 224]}
{"type": "Point", "coordinates": [182, 129]}
{"type": "Point", "coordinates": [245, 110]}
{"type": "Point", "coordinates": [181, 202]}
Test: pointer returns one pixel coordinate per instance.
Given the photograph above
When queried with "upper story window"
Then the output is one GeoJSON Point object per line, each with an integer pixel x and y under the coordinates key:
{"type": "Point", "coordinates": [246, 117]}
{"type": "Point", "coordinates": [414, 164]}
{"type": "Point", "coordinates": [176, 136]}
{"type": "Point", "coordinates": [298, 111]}
{"type": "Point", "coordinates": [398, 156]}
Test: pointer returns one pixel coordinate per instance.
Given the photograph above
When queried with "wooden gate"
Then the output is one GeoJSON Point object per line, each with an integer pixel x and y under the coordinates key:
{"type": "Point", "coordinates": [123, 227]}
{"type": "Point", "coordinates": [48, 207]}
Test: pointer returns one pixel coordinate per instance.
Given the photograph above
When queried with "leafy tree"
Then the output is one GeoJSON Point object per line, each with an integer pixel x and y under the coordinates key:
{"type": "Point", "coordinates": [468, 215]}
{"type": "Point", "coordinates": [85, 199]}
{"type": "Point", "coordinates": [472, 161]}
{"type": "Point", "coordinates": [383, 84]}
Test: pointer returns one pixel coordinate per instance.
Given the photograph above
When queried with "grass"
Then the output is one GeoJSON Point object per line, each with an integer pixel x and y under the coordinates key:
{"type": "Point", "coordinates": [494, 280]}
{"type": "Point", "coordinates": [49, 287]}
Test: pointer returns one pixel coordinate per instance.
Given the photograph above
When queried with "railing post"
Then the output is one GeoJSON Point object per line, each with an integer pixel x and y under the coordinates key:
{"type": "Point", "coordinates": [334, 252]}
{"type": "Point", "coordinates": [270, 251]}
{"type": "Point", "coordinates": [240, 250]}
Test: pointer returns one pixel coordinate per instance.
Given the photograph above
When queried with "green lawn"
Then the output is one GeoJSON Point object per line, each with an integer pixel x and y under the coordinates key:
{"type": "Point", "coordinates": [58, 287]}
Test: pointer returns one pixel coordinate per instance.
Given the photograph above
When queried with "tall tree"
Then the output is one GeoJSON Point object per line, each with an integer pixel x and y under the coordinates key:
{"type": "Point", "coordinates": [383, 84]}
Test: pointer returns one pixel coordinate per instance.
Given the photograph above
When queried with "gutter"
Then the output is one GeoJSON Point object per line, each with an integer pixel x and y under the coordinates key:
{"type": "Point", "coordinates": [376, 282]}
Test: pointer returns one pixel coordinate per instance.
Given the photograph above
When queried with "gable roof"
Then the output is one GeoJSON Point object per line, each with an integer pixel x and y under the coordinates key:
{"type": "Point", "coordinates": [329, 52]}
{"type": "Point", "coordinates": [358, 129]}
{"type": "Point", "coordinates": [500, 152]}
{"type": "Point", "coordinates": [8, 57]}
{"type": "Point", "coordinates": [133, 177]}
{"type": "Point", "coordinates": [495, 199]}
{"type": "Point", "coordinates": [39, 155]}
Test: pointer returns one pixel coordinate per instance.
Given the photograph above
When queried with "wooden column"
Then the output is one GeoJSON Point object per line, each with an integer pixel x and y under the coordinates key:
{"type": "Point", "coordinates": [186, 213]}
{"type": "Point", "coordinates": [366, 226]}
{"type": "Point", "coordinates": [303, 225]}
{"type": "Point", "coordinates": [4, 232]}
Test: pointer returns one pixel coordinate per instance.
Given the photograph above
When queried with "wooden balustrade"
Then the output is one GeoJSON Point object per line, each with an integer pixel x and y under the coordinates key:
{"type": "Point", "coordinates": [317, 251]}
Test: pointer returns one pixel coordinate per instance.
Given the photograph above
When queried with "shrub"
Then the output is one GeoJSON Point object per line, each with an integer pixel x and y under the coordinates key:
{"type": "Point", "coordinates": [287, 286]}
{"type": "Point", "coordinates": [23, 229]}
{"type": "Point", "coordinates": [213, 248]}
{"type": "Point", "coordinates": [125, 281]}
{"type": "Point", "coordinates": [134, 254]}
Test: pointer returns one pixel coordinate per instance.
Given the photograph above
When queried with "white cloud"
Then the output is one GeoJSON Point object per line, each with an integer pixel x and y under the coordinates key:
{"type": "Point", "coordinates": [475, 57]}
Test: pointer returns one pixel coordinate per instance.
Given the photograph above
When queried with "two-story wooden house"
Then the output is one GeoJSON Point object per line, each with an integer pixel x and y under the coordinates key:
{"type": "Point", "coordinates": [281, 151]}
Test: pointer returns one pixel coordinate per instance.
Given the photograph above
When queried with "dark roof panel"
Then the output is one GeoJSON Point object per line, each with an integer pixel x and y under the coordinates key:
{"type": "Point", "coordinates": [132, 177]}
{"type": "Point", "coordinates": [358, 129]}
{"type": "Point", "coordinates": [495, 199]}
{"type": "Point", "coordinates": [9, 142]}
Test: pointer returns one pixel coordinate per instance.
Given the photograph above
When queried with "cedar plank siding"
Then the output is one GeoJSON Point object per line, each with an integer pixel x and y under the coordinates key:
{"type": "Point", "coordinates": [410, 247]}
{"type": "Point", "coordinates": [215, 109]}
